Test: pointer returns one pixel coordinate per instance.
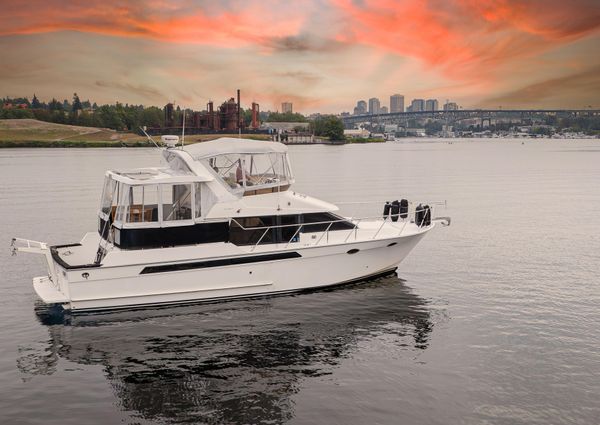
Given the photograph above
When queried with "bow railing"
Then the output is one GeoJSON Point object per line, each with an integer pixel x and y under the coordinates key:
{"type": "Point", "coordinates": [398, 222]}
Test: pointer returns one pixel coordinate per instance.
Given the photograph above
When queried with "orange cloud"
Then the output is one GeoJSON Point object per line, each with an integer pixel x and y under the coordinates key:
{"type": "Point", "coordinates": [249, 24]}
{"type": "Point", "coordinates": [467, 38]}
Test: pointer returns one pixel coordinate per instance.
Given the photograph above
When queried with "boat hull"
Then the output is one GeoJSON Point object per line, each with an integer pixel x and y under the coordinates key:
{"type": "Point", "coordinates": [260, 274]}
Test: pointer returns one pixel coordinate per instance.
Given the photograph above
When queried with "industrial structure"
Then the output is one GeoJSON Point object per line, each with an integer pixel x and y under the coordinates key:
{"type": "Point", "coordinates": [225, 118]}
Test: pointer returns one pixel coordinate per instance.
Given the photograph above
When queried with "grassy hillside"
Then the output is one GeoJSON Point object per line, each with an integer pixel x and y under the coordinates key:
{"type": "Point", "coordinates": [34, 133]}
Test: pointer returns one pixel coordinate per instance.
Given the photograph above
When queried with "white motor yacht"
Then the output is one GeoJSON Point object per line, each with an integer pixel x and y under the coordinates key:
{"type": "Point", "coordinates": [219, 220]}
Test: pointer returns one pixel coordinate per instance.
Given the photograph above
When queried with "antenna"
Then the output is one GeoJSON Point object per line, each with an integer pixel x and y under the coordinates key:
{"type": "Point", "coordinates": [183, 130]}
{"type": "Point", "coordinates": [149, 138]}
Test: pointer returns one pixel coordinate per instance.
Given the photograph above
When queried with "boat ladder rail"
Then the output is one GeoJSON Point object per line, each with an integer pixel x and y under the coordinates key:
{"type": "Point", "coordinates": [36, 247]}
{"type": "Point", "coordinates": [27, 245]}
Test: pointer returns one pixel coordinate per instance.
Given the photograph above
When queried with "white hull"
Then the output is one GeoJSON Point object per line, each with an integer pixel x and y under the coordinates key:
{"type": "Point", "coordinates": [126, 286]}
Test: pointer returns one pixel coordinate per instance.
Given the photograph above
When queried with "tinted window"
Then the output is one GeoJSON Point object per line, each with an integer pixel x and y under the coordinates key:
{"type": "Point", "coordinates": [324, 217]}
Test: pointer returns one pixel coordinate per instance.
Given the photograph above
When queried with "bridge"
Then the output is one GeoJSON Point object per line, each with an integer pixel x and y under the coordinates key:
{"type": "Point", "coordinates": [451, 117]}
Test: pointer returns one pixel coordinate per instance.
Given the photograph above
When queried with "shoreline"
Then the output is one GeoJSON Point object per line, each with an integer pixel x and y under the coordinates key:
{"type": "Point", "coordinates": [72, 144]}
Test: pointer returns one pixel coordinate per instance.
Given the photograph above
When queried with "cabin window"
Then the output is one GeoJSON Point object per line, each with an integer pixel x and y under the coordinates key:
{"type": "Point", "coordinates": [197, 199]}
{"type": "Point", "coordinates": [252, 172]}
{"type": "Point", "coordinates": [338, 223]}
{"type": "Point", "coordinates": [108, 194]}
{"type": "Point", "coordinates": [142, 204]}
{"type": "Point", "coordinates": [176, 201]}
{"type": "Point", "coordinates": [286, 227]}
{"type": "Point", "coordinates": [266, 169]}
{"type": "Point", "coordinates": [229, 168]}
{"type": "Point", "coordinates": [252, 232]}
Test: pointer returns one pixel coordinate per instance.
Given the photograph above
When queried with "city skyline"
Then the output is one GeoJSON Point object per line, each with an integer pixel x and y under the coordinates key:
{"type": "Point", "coordinates": [319, 55]}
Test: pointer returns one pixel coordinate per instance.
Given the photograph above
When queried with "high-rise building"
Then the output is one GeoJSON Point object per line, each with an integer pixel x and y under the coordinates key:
{"type": "Point", "coordinates": [383, 110]}
{"type": "Point", "coordinates": [374, 106]}
{"type": "Point", "coordinates": [396, 103]}
{"type": "Point", "coordinates": [417, 105]}
{"type": "Point", "coordinates": [431, 105]}
{"type": "Point", "coordinates": [450, 106]}
{"type": "Point", "coordinates": [286, 107]}
{"type": "Point", "coordinates": [360, 108]}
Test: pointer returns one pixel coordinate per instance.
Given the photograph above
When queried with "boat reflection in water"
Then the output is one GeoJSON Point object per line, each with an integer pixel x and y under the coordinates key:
{"type": "Point", "coordinates": [234, 362]}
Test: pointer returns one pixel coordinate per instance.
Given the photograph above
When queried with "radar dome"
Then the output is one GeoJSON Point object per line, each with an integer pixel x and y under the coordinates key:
{"type": "Point", "coordinates": [170, 141]}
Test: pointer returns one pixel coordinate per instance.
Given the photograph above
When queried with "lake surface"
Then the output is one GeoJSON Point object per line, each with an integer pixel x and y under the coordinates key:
{"type": "Point", "coordinates": [493, 320]}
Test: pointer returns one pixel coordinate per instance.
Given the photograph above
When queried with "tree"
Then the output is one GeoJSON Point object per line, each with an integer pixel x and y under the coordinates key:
{"type": "Point", "coordinates": [284, 117]}
{"type": "Point", "coordinates": [35, 103]}
{"type": "Point", "coordinates": [55, 105]}
{"type": "Point", "coordinates": [329, 126]}
{"type": "Point", "coordinates": [76, 103]}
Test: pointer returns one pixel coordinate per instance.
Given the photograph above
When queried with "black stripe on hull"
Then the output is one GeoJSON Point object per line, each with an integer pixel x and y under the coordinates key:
{"type": "Point", "coordinates": [220, 263]}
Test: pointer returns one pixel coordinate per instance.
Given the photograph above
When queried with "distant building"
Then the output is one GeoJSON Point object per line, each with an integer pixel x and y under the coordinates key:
{"type": "Point", "coordinates": [282, 127]}
{"type": "Point", "coordinates": [360, 108]}
{"type": "Point", "coordinates": [417, 105]}
{"type": "Point", "coordinates": [431, 105]}
{"type": "Point", "coordinates": [286, 107]}
{"type": "Point", "coordinates": [450, 106]}
{"type": "Point", "coordinates": [409, 108]}
{"type": "Point", "coordinates": [383, 110]}
{"type": "Point", "coordinates": [396, 103]}
{"type": "Point", "coordinates": [357, 133]}
{"type": "Point", "coordinates": [374, 106]}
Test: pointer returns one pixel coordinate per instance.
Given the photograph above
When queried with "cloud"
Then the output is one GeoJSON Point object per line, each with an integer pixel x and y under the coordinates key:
{"type": "Point", "coordinates": [302, 43]}
{"type": "Point", "coordinates": [141, 90]}
{"type": "Point", "coordinates": [467, 38]}
{"type": "Point", "coordinates": [316, 53]}
{"type": "Point", "coordinates": [577, 90]}
{"type": "Point", "coordinates": [249, 24]}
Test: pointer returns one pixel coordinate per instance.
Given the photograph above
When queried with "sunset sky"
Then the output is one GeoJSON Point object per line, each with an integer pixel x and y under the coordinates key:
{"type": "Point", "coordinates": [323, 55]}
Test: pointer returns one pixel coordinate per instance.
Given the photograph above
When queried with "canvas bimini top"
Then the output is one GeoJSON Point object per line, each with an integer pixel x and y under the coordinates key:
{"type": "Point", "coordinates": [230, 145]}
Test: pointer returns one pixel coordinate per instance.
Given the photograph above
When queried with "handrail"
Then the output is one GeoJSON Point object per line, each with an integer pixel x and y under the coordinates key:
{"type": "Point", "coordinates": [381, 202]}
{"type": "Point", "coordinates": [277, 226]}
{"type": "Point", "coordinates": [350, 220]}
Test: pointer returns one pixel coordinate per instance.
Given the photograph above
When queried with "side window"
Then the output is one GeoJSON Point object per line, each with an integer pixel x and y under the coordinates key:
{"type": "Point", "coordinates": [253, 231]}
{"type": "Point", "coordinates": [176, 201]}
{"type": "Point", "coordinates": [142, 204]}
{"type": "Point", "coordinates": [323, 220]}
{"type": "Point", "coordinates": [197, 200]}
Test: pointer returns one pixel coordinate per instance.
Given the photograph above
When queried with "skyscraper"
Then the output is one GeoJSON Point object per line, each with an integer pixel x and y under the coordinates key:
{"type": "Point", "coordinates": [374, 105]}
{"type": "Point", "coordinates": [360, 108]}
{"type": "Point", "coordinates": [286, 107]}
{"type": "Point", "coordinates": [431, 105]}
{"type": "Point", "coordinates": [450, 106]}
{"type": "Point", "coordinates": [417, 105]}
{"type": "Point", "coordinates": [383, 110]}
{"type": "Point", "coordinates": [396, 103]}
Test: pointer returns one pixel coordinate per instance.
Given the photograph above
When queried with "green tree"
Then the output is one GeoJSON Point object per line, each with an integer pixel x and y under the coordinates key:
{"type": "Point", "coordinates": [284, 117]}
{"type": "Point", "coordinates": [55, 105]}
{"type": "Point", "coordinates": [329, 126]}
{"type": "Point", "coordinates": [76, 103]}
{"type": "Point", "coordinates": [35, 103]}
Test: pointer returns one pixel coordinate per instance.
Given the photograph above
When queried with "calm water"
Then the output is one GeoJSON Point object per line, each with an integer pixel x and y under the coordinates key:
{"type": "Point", "coordinates": [493, 320]}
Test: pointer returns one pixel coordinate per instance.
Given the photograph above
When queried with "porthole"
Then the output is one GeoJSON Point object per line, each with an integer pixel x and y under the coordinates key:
{"type": "Point", "coordinates": [392, 244]}
{"type": "Point", "coordinates": [353, 251]}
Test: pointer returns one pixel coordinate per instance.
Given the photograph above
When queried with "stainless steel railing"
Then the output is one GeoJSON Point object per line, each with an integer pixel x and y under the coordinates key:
{"type": "Point", "coordinates": [354, 221]}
